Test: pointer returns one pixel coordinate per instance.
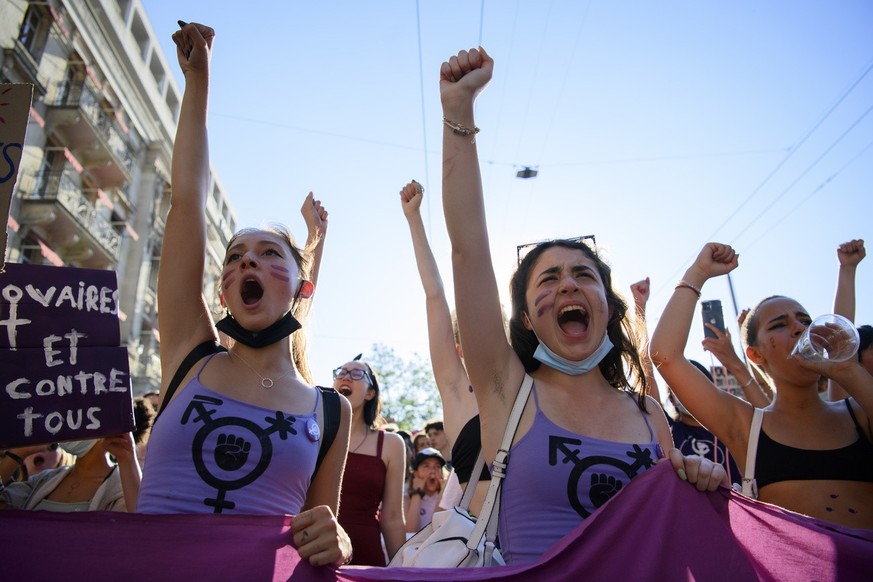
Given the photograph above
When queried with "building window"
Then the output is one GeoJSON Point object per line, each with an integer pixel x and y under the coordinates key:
{"type": "Point", "coordinates": [31, 252]}
{"type": "Point", "coordinates": [34, 31]}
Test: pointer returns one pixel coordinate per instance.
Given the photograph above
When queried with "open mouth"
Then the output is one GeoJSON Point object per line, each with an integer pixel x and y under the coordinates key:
{"type": "Point", "coordinates": [345, 391]}
{"type": "Point", "coordinates": [573, 320]}
{"type": "Point", "coordinates": [251, 291]}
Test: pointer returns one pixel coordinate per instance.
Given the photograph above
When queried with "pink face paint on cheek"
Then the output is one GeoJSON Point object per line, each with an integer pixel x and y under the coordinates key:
{"type": "Point", "coordinates": [280, 273]}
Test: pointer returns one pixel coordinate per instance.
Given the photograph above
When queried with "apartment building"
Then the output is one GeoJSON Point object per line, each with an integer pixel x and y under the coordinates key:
{"type": "Point", "coordinates": [93, 187]}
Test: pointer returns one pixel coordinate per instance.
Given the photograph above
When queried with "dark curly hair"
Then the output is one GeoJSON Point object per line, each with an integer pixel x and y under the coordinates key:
{"type": "Point", "coordinates": [619, 328]}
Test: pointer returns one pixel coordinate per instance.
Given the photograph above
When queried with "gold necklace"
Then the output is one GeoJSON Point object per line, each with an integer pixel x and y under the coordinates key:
{"type": "Point", "coordinates": [265, 381]}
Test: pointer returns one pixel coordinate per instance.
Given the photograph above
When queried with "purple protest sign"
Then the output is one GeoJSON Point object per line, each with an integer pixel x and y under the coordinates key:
{"type": "Point", "coordinates": [63, 374]}
{"type": "Point", "coordinates": [37, 299]}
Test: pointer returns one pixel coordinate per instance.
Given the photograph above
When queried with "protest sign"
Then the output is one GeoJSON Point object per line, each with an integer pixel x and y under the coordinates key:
{"type": "Point", "coordinates": [14, 108]}
{"type": "Point", "coordinates": [63, 373]}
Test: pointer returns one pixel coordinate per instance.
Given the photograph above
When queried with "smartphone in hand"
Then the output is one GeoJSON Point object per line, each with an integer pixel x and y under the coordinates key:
{"type": "Point", "coordinates": [713, 314]}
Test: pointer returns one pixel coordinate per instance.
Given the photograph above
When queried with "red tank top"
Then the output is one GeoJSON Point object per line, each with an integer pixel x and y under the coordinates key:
{"type": "Point", "coordinates": [360, 499]}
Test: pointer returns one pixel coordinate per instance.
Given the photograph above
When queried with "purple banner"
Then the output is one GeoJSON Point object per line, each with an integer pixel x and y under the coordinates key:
{"type": "Point", "coordinates": [658, 528]}
{"type": "Point", "coordinates": [63, 374]}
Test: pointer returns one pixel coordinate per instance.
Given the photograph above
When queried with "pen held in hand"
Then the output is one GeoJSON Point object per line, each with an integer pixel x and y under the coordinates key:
{"type": "Point", "coordinates": [182, 24]}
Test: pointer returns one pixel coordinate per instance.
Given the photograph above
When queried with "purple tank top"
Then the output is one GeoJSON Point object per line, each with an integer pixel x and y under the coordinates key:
{"type": "Point", "coordinates": [209, 453]}
{"type": "Point", "coordinates": [556, 478]}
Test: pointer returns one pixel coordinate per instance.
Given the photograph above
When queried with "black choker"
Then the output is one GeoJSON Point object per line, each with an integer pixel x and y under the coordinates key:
{"type": "Point", "coordinates": [284, 327]}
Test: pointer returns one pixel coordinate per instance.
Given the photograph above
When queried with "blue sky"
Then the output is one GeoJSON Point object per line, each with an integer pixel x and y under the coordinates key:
{"type": "Point", "coordinates": [656, 126]}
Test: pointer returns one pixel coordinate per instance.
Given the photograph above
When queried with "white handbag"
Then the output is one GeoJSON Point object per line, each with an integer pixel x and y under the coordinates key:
{"type": "Point", "coordinates": [455, 539]}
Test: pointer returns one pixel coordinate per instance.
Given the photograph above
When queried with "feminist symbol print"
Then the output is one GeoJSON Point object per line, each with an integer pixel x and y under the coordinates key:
{"type": "Point", "coordinates": [603, 485]}
{"type": "Point", "coordinates": [237, 439]}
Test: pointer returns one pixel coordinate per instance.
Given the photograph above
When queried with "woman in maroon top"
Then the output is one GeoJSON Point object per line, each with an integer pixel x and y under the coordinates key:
{"type": "Point", "coordinates": [371, 500]}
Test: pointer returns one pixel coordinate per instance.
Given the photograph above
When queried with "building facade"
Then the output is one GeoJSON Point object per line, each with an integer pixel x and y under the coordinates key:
{"type": "Point", "coordinates": [93, 187]}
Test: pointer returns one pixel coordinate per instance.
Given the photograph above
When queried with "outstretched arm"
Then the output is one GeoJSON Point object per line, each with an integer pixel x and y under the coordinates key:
{"type": "Point", "coordinates": [184, 317]}
{"type": "Point", "coordinates": [641, 290]}
{"type": "Point", "coordinates": [459, 403]}
{"type": "Point", "coordinates": [391, 522]}
{"type": "Point", "coordinates": [720, 412]}
{"type": "Point", "coordinates": [723, 349]}
{"type": "Point", "coordinates": [315, 215]}
{"type": "Point", "coordinates": [849, 255]}
{"type": "Point", "coordinates": [494, 369]}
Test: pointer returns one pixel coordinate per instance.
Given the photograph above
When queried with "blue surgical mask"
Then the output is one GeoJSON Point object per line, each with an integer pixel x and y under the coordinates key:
{"type": "Point", "coordinates": [546, 356]}
{"type": "Point", "coordinates": [78, 448]}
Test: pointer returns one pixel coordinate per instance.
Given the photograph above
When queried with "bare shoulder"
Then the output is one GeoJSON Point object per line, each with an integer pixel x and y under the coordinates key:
{"type": "Point", "coordinates": [393, 442]}
{"type": "Point", "coordinates": [653, 405]}
{"type": "Point", "coordinates": [393, 448]}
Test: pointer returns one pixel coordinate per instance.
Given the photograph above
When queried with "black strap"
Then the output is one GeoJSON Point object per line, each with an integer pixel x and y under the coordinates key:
{"type": "Point", "coordinates": [332, 412]}
{"type": "Point", "coordinates": [198, 353]}
{"type": "Point", "coordinates": [855, 420]}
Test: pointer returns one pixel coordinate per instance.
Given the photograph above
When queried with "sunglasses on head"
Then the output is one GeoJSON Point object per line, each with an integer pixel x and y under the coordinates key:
{"type": "Point", "coordinates": [523, 250]}
{"type": "Point", "coordinates": [355, 373]}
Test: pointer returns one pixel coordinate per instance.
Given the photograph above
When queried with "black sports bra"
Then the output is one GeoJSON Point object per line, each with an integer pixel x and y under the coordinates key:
{"type": "Point", "coordinates": [777, 462]}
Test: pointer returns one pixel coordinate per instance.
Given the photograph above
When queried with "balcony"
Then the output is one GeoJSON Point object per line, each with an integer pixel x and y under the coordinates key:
{"type": "Point", "coordinates": [70, 222]}
{"type": "Point", "coordinates": [145, 367]}
{"type": "Point", "coordinates": [18, 57]}
{"type": "Point", "coordinates": [150, 307]}
{"type": "Point", "coordinates": [94, 136]}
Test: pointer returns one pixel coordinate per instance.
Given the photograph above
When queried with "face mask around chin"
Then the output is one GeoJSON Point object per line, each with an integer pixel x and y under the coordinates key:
{"type": "Point", "coordinates": [78, 448]}
{"type": "Point", "coordinates": [573, 368]}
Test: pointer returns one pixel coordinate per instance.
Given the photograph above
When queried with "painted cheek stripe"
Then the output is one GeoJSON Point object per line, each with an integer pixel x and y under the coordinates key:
{"type": "Point", "coordinates": [542, 296]}
{"type": "Point", "coordinates": [279, 273]}
{"type": "Point", "coordinates": [544, 308]}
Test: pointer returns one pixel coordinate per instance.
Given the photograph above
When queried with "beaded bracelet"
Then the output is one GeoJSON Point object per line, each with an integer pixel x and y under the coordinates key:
{"type": "Point", "coordinates": [688, 285]}
{"type": "Point", "coordinates": [459, 129]}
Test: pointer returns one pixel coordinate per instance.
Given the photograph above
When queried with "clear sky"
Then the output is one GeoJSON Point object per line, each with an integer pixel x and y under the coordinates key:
{"type": "Point", "coordinates": [656, 126]}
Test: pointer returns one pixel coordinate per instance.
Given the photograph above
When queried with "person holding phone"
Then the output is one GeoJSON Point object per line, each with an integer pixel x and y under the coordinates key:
{"type": "Point", "coordinates": [813, 457]}
{"type": "Point", "coordinates": [720, 345]}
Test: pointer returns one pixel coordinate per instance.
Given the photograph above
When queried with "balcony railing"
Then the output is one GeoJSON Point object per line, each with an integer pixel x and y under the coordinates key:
{"type": "Point", "coordinates": [150, 305]}
{"type": "Point", "coordinates": [82, 96]}
{"type": "Point", "coordinates": [60, 187]}
{"type": "Point", "coordinates": [27, 65]}
{"type": "Point", "coordinates": [145, 365]}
